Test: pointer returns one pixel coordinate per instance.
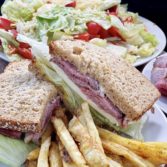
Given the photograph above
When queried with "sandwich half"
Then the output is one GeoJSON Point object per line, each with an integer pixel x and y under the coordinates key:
{"type": "Point", "coordinates": [118, 94]}
{"type": "Point", "coordinates": [111, 86]}
{"type": "Point", "coordinates": [26, 102]}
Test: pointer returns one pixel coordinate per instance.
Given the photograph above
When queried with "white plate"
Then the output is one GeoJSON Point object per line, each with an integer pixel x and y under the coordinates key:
{"type": "Point", "coordinates": [154, 29]}
{"type": "Point", "coordinates": [154, 129]}
{"type": "Point", "coordinates": [162, 102]}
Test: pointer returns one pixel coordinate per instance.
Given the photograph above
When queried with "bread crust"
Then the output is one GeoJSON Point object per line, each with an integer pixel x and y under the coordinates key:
{"type": "Point", "coordinates": [123, 84]}
{"type": "Point", "coordinates": [23, 98]}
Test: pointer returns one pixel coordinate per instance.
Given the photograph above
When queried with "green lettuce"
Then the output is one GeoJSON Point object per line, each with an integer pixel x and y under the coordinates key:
{"type": "Point", "coordinates": [6, 39]}
{"type": "Point", "coordinates": [20, 10]}
{"type": "Point", "coordinates": [53, 18]}
{"type": "Point", "coordinates": [14, 152]}
{"type": "Point", "coordinates": [148, 37]}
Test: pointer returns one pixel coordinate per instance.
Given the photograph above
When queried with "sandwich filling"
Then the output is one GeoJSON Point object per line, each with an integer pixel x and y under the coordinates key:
{"type": "Point", "coordinates": [91, 88]}
{"type": "Point", "coordinates": [31, 136]}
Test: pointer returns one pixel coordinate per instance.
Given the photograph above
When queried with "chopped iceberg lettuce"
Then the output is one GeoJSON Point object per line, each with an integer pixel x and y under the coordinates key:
{"type": "Point", "coordinates": [20, 10]}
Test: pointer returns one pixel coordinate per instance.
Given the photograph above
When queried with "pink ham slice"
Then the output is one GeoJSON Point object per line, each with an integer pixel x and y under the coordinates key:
{"type": "Point", "coordinates": [90, 88]}
{"type": "Point", "coordinates": [161, 61]}
{"type": "Point", "coordinates": [30, 136]}
{"type": "Point", "coordinates": [159, 74]}
{"type": "Point", "coordinates": [10, 133]}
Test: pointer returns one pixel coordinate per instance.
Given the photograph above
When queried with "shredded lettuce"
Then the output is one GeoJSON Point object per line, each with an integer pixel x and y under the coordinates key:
{"type": "Point", "coordinates": [20, 10]}
{"type": "Point", "coordinates": [148, 37]}
{"type": "Point", "coordinates": [13, 152]}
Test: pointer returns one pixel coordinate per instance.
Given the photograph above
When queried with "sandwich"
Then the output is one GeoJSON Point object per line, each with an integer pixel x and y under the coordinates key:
{"type": "Point", "coordinates": [118, 94]}
{"type": "Point", "coordinates": [26, 102]}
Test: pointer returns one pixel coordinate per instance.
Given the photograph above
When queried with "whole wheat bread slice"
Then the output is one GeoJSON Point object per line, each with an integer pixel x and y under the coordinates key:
{"type": "Point", "coordinates": [23, 98]}
{"type": "Point", "coordinates": [123, 84]}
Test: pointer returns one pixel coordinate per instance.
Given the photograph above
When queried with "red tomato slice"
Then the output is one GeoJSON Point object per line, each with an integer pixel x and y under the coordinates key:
{"type": "Point", "coordinates": [24, 45]}
{"type": "Point", "coordinates": [83, 37]}
{"type": "Point", "coordinates": [14, 32]}
{"type": "Point", "coordinates": [113, 10]}
{"type": "Point", "coordinates": [104, 33]}
{"type": "Point", "coordinates": [72, 4]}
{"type": "Point", "coordinates": [93, 28]}
{"type": "Point", "coordinates": [114, 32]}
{"type": "Point", "coordinates": [26, 53]}
{"type": "Point", "coordinates": [5, 23]}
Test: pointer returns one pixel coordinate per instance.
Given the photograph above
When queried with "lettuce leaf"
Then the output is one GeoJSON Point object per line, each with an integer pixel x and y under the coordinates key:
{"type": "Point", "coordinates": [14, 152]}
{"type": "Point", "coordinates": [20, 10]}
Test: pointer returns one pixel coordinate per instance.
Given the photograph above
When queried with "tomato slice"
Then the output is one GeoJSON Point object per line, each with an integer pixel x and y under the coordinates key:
{"type": "Point", "coordinates": [83, 37]}
{"type": "Point", "coordinates": [114, 32]}
{"type": "Point", "coordinates": [113, 10]}
{"type": "Point", "coordinates": [71, 4]}
{"type": "Point", "coordinates": [26, 53]}
{"type": "Point", "coordinates": [24, 45]}
{"type": "Point", "coordinates": [93, 28]}
{"type": "Point", "coordinates": [5, 23]}
{"type": "Point", "coordinates": [104, 33]}
{"type": "Point", "coordinates": [14, 32]}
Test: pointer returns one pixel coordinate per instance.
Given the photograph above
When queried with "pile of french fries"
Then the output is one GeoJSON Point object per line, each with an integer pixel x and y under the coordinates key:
{"type": "Point", "coordinates": [79, 143]}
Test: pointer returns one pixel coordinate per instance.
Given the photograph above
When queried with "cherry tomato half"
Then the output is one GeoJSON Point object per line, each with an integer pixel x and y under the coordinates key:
{"type": "Point", "coordinates": [5, 23]}
{"type": "Point", "coordinates": [104, 33]}
{"type": "Point", "coordinates": [24, 45]}
{"type": "Point", "coordinates": [113, 10]}
{"type": "Point", "coordinates": [83, 37]}
{"type": "Point", "coordinates": [93, 28]}
{"type": "Point", "coordinates": [71, 4]}
{"type": "Point", "coordinates": [26, 53]}
{"type": "Point", "coordinates": [114, 32]}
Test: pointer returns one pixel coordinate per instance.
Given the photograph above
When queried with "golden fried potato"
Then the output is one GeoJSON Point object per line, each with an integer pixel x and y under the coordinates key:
{"type": "Point", "coordinates": [33, 155]}
{"type": "Point", "coordinates": [120, 150]}
{"type": "Point", "coordinates": [44, 153]}
{"type": "Point", "coordinates": [54, 156]}
{"type": "Point", "coordinates": [93, 156]}
{"type": "Point", "coordinates": [68, 142]}
{"type": "Point", "coordinates": [156, 152]}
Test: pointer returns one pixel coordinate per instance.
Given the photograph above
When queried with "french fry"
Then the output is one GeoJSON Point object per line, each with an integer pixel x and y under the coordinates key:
{"type": "Point", "coordinates": [93, 156]}
{"type": "Point", "coordinates": [155, 152]}
{"type": "Point", "coordinates": [60, 113]}
{"type": "Point", "coordinates": [116, 158]}
{"type": "Point", "coordinates": [31, 164]}
{"type": "Point", "coordinates": [86, 119]}
{"type": "Point", "coordinates": [54, 156]}
{"type": "Point", "coordinates": [33, 155]}
{"type": "Point", "coordinates": [66, 160]}
{"type": "Point", "coordinates": [114, 163]}
{"type": "Point", "coordinates": [44, 153]}
{"type": "Point", "coordinates": [120, 150]}
{"type": "Point", "coordinates": [68, 142]}
{"type": "Point", "coordinates": [47, 132]}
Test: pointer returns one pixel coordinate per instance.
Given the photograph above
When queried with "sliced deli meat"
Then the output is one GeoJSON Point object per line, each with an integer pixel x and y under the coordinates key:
{"type": "Point", "coordinates": [159, 74]}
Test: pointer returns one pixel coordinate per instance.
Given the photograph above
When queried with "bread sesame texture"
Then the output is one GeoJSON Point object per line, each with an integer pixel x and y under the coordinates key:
{"type": "Point", "coordinates": [23, 98]}
{"type": "Point", "coordinates": [123, 84]}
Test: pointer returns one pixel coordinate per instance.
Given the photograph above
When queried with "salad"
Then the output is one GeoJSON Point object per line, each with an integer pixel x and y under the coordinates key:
{"type": "Point", "coordinates": [105, 23]}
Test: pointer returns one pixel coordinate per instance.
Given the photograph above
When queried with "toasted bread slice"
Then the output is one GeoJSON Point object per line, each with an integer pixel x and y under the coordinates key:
{"type": "Point", "coordinates": [23, 98]}
{"type": "Point", "coordinates": [123, 84]}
